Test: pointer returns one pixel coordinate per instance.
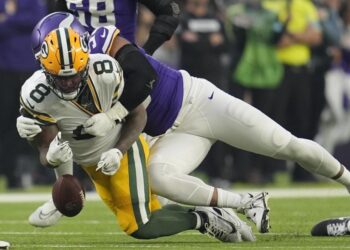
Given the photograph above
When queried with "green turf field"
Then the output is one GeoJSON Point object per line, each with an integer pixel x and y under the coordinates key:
{"type": "Point", "coordinates": [95, 228]}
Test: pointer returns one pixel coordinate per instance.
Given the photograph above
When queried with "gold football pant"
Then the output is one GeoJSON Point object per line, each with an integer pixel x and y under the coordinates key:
{"type": "Point", "coordinates": [127, 193]}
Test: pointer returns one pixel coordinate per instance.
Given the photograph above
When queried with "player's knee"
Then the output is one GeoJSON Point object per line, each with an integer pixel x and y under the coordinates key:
{"type": "Point", "coordinates": [144, 233]}
{"type": "Point", "coordinates": [160, 178]}
{"type": "Point", "coordinates": [297, 149]}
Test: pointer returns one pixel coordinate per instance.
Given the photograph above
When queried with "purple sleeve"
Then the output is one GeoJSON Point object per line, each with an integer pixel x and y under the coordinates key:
{"type": "Point", "coordinates": [101, 39]}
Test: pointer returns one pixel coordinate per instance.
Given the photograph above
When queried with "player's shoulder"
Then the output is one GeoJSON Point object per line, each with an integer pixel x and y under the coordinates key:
{"type": "Point", "coordinates": [102, 38]}
{"type": "Point", "coordinates": [35, 88]}
{"type": "Point", "coordinates": [103, 64]}
{"type": "Point", "coordinates": [36, 97]}
{"type": "Point", "coordinates": [104, 69]}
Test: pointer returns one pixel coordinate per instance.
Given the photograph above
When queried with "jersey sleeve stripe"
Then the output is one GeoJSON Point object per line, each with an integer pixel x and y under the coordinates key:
{"type": "Point", "coordinates": [114, 35]}
{"type": "Point", "coordinates": [45, 118]}
{"type": "Point", "coordinates": [94, 95]}
{"type": "Point", "coordinates": [82, 108]}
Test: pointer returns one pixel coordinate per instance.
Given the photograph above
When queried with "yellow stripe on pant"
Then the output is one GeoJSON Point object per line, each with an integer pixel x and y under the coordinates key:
{"type": "Point", "coordinates": [127, 193]}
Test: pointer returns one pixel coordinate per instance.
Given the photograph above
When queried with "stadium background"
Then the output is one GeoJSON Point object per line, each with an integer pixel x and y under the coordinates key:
{"type": "Point", "coordinates": [209, 43]}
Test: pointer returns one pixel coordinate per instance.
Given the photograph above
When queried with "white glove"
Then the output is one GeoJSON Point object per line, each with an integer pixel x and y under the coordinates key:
{"type": "Point", "coordinates": [59, 152]}
{"type": "Point", "coordinates": [110, 161]}
{"type": "Point", "coordinates": [27, 128]}
{"type": "Point", "coordinates": [99, 124]}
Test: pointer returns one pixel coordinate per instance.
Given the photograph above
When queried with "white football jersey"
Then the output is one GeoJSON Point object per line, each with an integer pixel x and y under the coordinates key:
{"type": "Point", "coordinates": [104, 86]}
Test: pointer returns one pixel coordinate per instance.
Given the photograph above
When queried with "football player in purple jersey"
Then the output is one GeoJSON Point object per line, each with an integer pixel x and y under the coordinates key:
{"type": "Point", "coordinates": [123, 14]}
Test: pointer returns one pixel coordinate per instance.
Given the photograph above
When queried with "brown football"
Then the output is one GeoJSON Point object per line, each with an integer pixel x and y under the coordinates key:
{"type": "Point", "coordinates": [68, 195]}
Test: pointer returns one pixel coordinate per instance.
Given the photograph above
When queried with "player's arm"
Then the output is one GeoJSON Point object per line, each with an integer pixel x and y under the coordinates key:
{"type": "Point", "coordinates": [42, 142]}
{"type": "Point", "coordinates": [139, 75]}
{"type": "Point", "coordinates": [132, 128]}
{"type": "Point", "coordinates": [134, 123]}
{"type": "Point", "coordinates": [167, 14]}
{"type": "Point", "coordinates": [52, 151]}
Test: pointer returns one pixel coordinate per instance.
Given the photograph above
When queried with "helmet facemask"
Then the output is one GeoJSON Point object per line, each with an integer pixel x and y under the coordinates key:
{"type": "Point", "coordinates": [68, 88]}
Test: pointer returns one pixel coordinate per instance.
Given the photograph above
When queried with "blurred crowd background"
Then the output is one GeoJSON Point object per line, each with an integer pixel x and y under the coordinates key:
{"type": "Point", "coordinates": [288, 58]}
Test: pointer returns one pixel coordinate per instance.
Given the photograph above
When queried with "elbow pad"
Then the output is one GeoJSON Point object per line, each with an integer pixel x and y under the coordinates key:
{"type": "Point", "coordinates": [167, 14]}
{"type": "Point", "coordinates": [139, 76]}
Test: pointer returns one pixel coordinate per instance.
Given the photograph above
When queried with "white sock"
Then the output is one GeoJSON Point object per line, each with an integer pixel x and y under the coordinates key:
{"type": "Point", "coordinates": [228, 199]}
{"type": "Point", "coordinates": [344, 177]}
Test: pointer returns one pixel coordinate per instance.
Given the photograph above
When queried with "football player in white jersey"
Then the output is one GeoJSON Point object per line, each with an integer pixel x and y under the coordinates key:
{"type": "Point", "coordinates": [72, 87]}
{"type": "Point", "coordinates": [129, 56]}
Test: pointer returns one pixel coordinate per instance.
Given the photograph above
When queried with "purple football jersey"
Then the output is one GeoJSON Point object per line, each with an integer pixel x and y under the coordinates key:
{"type": "Point", "coordinates": [167, 93]}
{"type": "Point", "coordinates": [93, 14]}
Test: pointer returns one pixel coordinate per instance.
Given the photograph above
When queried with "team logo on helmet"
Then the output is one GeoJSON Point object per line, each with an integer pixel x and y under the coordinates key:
{"type": "Point", "coordinates": [84, 45]}
{"type": "Point", "coordinates": [44, 52]}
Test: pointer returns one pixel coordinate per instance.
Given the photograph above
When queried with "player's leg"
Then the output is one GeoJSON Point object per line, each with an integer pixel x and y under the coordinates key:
{"type": "Point", "coordinates": [238, 124]}
{"type": "Point", "coordinates": [128, 195]}
{"type": "Point", "coordinates": [174, 156]}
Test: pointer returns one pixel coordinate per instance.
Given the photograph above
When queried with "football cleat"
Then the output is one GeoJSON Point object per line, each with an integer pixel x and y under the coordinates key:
{"type": "Point", "coordinates": [45, 216]}
{"type": "Point", "coordinates": [256, 209]}
{"type": "Point", "coordinates": [216, 225]}
{"type": "Point", "coordinates": [332, 227]}
{"type": "Point", "coordinates": [241, 226]}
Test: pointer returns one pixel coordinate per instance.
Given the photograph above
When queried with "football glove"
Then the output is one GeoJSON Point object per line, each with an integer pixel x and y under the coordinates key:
{"type": "Point", "coordinates": [27, 128]}
{"type": "Point", "coordinates": [59, 152]}
{"type": "Point", "coordinates": [100, 124]}
{"type": "Point", "coordinates": [110, 161]}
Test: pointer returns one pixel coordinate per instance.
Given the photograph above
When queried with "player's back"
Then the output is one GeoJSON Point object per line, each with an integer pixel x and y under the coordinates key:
{"type": "Point", "coordinates": [93, 14]}
{"type": "Point", "coordinates": [104, 86]}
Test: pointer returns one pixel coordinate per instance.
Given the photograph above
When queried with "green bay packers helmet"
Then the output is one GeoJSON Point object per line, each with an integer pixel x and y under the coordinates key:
{"type": "Point", "coordinates": [64, 56]}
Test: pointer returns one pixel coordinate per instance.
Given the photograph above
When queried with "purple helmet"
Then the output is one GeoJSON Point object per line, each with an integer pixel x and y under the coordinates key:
{"type": "Point", "coordinates": [54, 21]}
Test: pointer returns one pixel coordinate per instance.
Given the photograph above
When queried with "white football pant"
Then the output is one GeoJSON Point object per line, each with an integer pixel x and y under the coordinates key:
{"type": "Point", "coordinates": [209, 114]}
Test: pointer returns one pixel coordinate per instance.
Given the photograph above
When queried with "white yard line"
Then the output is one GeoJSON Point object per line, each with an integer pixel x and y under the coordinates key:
{"type": "Point", "coordinates": [274, 193]}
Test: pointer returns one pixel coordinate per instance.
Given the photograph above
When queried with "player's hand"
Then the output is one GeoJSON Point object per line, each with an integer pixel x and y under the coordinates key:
{"type": "Point", "coordinates": [99, 124]}
{"type": "Point", "coordinates": [59, 152]}
{"type": "Point", "coordinates": [27, 128]}
{"type": "Point", "coordinates": [110, 161]}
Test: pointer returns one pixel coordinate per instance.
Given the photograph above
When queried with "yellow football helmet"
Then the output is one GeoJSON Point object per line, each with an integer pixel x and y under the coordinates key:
{"type": "Point", "coordinates": [64, 56]}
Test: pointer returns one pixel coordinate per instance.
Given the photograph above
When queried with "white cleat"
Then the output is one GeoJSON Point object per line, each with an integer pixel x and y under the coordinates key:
{"type": "Point", "coordinates": [45, 216]}
{"type": "Point", "coordinates": [241, 226]}
{"type": "Point", "coordinates": [256, 209]}
{"type": "Point", "coordinates": [215, 225]}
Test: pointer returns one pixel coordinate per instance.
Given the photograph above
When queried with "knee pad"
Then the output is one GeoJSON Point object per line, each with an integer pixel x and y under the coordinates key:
{"type": "Point", "coordinates": [159, 177]}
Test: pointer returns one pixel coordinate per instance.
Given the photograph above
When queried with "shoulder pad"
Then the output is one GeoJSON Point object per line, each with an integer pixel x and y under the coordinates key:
{"type": "Point", "coordinates": [102, 38]}
{"type": "Point", "coordinates": [35, 98]}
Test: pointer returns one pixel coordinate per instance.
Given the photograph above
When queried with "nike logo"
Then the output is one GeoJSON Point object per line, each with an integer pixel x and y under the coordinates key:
{"type": "Point", "coordinates": [104, 33]}
{"type": "Point", "coordinates": [150, 84]}
{"type": "Point", "coordinates": [211, 96]}
{"type": "Point", "coordinates": [44, 216]}
{"type": "Point", "coordinates": [30, 105]}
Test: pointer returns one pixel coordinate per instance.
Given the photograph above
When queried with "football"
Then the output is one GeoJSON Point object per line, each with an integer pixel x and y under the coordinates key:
{"type": "Point", "coordinates": [68, 195]}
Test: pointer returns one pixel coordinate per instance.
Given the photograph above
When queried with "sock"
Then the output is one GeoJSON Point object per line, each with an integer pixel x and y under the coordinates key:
{"type": "Point", "coordinates": [166, 222]}
{"type": "Point", "coordinates": [228, 199]}
{"type": "Point", "coordinates": [343, 177]}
